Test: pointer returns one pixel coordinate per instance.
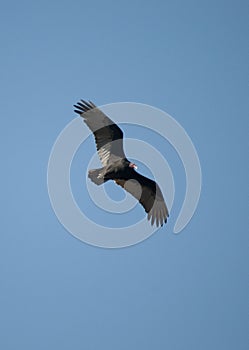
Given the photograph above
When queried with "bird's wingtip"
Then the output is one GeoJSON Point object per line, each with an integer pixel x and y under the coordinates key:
{"type": "Point", "coordinates": [83, 106]}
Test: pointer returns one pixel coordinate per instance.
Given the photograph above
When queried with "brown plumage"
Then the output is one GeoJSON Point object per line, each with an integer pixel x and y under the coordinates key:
{"type": "Point", "coordinates": [109, 142]}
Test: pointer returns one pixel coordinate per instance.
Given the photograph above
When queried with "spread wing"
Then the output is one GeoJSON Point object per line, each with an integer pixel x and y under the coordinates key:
{"type": "Point", "coordinates": [149, 195]}
{"type": "Point", "coordinates": [108, 136]}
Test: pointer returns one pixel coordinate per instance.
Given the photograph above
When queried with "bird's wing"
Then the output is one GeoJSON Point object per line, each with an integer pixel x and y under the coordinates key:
{"type": "Point", "coordinates": [108, 136]}
{"type": "Point", "coordinates": [148, 193]}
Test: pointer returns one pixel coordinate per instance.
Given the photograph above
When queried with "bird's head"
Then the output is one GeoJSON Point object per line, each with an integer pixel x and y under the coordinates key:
{"type": "Point", "coordinates": [133, 166]}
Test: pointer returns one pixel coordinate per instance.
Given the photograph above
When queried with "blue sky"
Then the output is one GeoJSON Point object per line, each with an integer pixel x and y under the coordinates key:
{"type": "Point", "coordinates": [187, 291]}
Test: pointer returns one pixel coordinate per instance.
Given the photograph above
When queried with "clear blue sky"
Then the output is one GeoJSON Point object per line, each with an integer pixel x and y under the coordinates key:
{"type": "Point", "coordinates": [189, 291]}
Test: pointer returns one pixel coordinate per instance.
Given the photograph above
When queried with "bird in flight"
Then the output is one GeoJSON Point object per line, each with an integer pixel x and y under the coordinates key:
{"type": "Point", "coordinates": [115, 165]}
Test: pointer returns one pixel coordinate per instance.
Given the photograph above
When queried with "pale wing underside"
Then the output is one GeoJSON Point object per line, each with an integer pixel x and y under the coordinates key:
{"type": "Point", "coordinates": [150, 197]}
{"type": "Point", "coordinates": [108, 136]}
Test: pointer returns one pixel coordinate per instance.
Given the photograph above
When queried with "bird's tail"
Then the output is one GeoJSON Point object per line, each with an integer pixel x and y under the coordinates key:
{"type": "Point", "coordinates": [97, 176]}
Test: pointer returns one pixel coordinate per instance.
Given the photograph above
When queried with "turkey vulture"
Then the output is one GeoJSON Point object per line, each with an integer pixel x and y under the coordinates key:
{"type": "Point", "coordinates": [109, 142]}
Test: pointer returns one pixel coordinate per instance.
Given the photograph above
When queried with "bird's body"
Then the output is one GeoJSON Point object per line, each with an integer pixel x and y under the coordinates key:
{"type": "Point", "coordinates": [118, 169]}
{"type": "Point", "coordinates": [109, 142]}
